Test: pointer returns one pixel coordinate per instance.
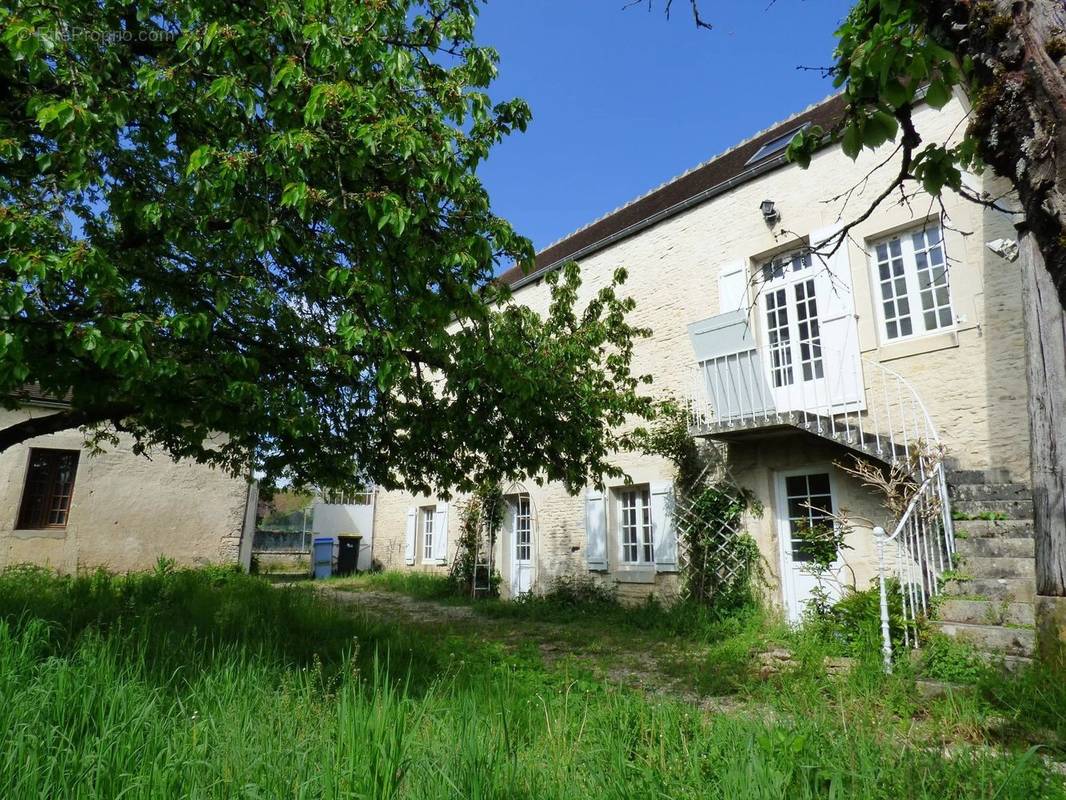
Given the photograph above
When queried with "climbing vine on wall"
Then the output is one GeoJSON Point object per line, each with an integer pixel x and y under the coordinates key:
{"type": "Point", "coordinates": [723, 563]}
{"type": "Point", "coordinates": [482, 514]}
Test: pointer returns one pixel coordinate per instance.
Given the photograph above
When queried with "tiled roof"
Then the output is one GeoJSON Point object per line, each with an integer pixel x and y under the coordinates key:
{"type": "Point", "coordinates": [723, 171]}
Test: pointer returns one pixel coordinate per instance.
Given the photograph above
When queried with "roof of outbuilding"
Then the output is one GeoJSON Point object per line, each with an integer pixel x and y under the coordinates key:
{"type": "Point", "coordinates": [722, 171]}
{"type": "Point", "coordinates": [33, 393]}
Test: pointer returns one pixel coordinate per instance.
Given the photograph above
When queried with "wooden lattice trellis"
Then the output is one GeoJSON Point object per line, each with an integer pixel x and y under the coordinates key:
{"type": "Point", "coordinates": [715, 554]}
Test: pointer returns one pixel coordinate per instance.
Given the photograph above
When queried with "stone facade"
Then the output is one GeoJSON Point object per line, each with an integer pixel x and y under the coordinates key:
{"type": "Point", "coordinates": [126, 510]}
{"type": "Point", "coordinates": [971, 377]}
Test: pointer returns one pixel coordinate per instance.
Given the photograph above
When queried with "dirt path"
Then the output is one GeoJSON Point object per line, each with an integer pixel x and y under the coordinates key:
{"type": "Point", "coordinates": [624, 659]}
{"type": "Point", "coordinates": [388, 604]}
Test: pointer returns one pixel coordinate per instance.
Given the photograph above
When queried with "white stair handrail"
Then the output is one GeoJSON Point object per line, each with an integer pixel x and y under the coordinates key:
{"type": "Point", "coordinates": [924, 545]}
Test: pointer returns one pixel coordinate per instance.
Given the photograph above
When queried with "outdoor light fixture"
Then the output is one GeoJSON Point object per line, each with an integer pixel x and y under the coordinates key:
{"type": "Point", "coordinates": [769, 213]}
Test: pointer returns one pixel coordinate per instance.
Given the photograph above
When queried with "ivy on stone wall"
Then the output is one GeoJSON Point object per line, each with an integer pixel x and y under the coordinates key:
{"type": "Point", "coordinates": [720, 562]}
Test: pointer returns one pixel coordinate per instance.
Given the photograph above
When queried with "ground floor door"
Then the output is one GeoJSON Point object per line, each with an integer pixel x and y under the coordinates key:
{"type": "Point", "coordinates": [805, 505]}
{"type": "Point", "coordinates": [521, 546]}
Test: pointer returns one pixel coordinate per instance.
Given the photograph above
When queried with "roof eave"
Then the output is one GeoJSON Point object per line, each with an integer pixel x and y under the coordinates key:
{"type": "Point", "coordinates": [703, 196]}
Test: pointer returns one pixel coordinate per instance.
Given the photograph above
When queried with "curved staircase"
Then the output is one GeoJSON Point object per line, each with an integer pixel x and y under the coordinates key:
{"type": "Point", "coordinates": [962, 553]}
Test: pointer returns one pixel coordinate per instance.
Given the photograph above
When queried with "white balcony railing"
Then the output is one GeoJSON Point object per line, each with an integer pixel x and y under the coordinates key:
{"type": "Point", "coordinates": [854, 400]}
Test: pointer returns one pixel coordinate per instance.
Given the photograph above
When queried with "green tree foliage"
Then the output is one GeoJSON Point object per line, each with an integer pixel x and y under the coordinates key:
{"type": "Point", "coordinates": [262, 220]}
{"type": "Point", "coordinates": [886, 55]}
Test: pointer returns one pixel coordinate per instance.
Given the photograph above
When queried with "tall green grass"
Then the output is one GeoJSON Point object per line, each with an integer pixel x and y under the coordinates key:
{"type": "Point", "coordinates": [214, 685]}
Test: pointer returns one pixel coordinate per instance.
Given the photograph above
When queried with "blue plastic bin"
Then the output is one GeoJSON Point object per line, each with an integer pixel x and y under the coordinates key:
{"type": "Point", "coordinates": [322, 557]}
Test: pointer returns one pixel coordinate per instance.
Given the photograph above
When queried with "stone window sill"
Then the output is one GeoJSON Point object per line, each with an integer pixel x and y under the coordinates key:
{"type": "Point", "coordinates": [636, 575]}
{"type": "Point", "coordinates": [39, 533]}
{"type": "Point", "coordinates": [914, 347]}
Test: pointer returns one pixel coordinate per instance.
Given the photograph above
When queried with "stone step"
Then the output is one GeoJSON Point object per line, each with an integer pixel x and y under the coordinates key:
{"type": "Point", "coordinates": [994, 475]}
{"type": "Point", "coordinates": [1000, 567]}
{"type": "Point", "coordinates": [980, 566]}
{"type": "Point", "coordinates": [986, 612]}
{"type": "Point", "coordinates": [982, 528]}
{"type": "Point", "coordinates": [929, 688]}
{"type": "Point", "coordinates": [992, 638]}
{"type": "Point", "coordinates": [1001, 509]}
{"type": "Point", "coordinates": [990, 491]}
{"type": "Point", "coordinates": [1007, 663]}
{"type": "Point", "coordinates": [996, 547]}
{"type": "Point", "coordinates": [1018, 590]}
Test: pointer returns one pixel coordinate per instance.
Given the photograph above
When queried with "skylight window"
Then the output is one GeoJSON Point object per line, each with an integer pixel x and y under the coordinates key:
{"type": "Point", "coordinates": [775, 146]}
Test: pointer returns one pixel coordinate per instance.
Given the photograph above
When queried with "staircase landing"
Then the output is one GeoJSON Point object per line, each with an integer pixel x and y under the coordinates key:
{"type": "Point", "coordinates": [842, 430]}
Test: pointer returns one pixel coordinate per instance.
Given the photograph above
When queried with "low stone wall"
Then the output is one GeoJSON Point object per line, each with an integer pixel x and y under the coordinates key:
{"type": "Point", "coordinates": [282, 561]}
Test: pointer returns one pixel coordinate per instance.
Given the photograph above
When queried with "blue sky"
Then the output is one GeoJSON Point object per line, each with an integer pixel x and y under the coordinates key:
{"type": "Point", "coordinates": [623, 99]}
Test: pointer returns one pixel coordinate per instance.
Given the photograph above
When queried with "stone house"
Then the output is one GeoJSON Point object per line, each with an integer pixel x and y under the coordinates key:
{"type": "Point", "coordinates": [910, 334]}
{"type": "Point", "coordinates": [69, 509]}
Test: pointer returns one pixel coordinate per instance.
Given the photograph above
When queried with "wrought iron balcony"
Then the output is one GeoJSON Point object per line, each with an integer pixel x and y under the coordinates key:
{"type": "Point", "coordinates": [739, 385]}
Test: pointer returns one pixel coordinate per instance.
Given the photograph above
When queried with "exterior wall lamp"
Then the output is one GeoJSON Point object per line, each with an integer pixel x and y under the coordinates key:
{"type": "Point", "coordinates": [770, 214]}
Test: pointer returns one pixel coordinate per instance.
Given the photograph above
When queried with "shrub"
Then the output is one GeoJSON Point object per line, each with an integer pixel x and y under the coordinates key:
{"type": "Point", "coordinates": [948, 659]}
{"type": "Point", "coordinates": [852, 625]}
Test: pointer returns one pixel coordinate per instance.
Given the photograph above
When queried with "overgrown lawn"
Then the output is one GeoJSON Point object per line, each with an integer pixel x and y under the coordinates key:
{"type": "Point", "coordinates": [208, 684]}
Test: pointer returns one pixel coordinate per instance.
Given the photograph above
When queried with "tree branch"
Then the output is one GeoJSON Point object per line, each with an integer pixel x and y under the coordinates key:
{"type": "Point", "coordinates": [60, 421]}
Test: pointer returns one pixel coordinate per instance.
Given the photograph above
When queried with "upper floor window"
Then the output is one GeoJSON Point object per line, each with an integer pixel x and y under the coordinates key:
{"type": "Point", "coordinates": [636, 531]}
{"type": "Point", "coordinates": [48, 489]}
{"type": "Point", "coordinates": [912, 283]}
{"type": "Point", "coordinates": [786, 265]}
{"type": "Point", "coordinates": [792, 325]}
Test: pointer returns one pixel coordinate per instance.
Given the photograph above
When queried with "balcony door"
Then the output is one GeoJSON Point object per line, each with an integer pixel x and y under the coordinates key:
{"type": "Point", "coordinates": [811, 336]}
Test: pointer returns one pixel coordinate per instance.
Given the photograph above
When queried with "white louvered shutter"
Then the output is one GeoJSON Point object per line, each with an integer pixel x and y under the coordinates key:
{"type": "Point", "coordinates": [440, 533]}
{"type": "Point", "coordinates": [596, 529]}
{"type": "Point", "coordinates": [409, 540]}
{"type": "Point", "coordinates": [663, 529]}
{"type": "Point", "coordinates": [837, 325]}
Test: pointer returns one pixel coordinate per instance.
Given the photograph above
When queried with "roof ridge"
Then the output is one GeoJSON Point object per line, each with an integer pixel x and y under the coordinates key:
{"type": "Point", "coordinates": [689, 171]}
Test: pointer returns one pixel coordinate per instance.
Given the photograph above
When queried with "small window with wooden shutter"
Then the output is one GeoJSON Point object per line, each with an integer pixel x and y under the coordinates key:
{"type": "Point", "coordinates": [48, 490]}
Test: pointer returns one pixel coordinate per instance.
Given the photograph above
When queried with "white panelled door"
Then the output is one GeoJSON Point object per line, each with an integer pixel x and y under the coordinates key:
{"type": "Point", "coordinates": [521, 546]}
{"type": "Point", "coordinates": [805, 501]}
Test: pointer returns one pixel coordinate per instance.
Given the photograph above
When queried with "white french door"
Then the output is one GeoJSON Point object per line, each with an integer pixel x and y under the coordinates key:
{"type": "Point", "coordinates": [793, 333]}
{"type": "Point", "coordinates": [521, 546]}
{"type": "Point", "coordinates": [811, 335]}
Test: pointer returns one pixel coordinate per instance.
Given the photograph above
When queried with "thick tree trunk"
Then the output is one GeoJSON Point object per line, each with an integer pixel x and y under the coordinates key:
{"type": "Point", "coordinates": [1046, 362]}
{"type": "Point", "coordinates": [1045, 334]}
{"type": "Point", "coordinates": [1018, 49]}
